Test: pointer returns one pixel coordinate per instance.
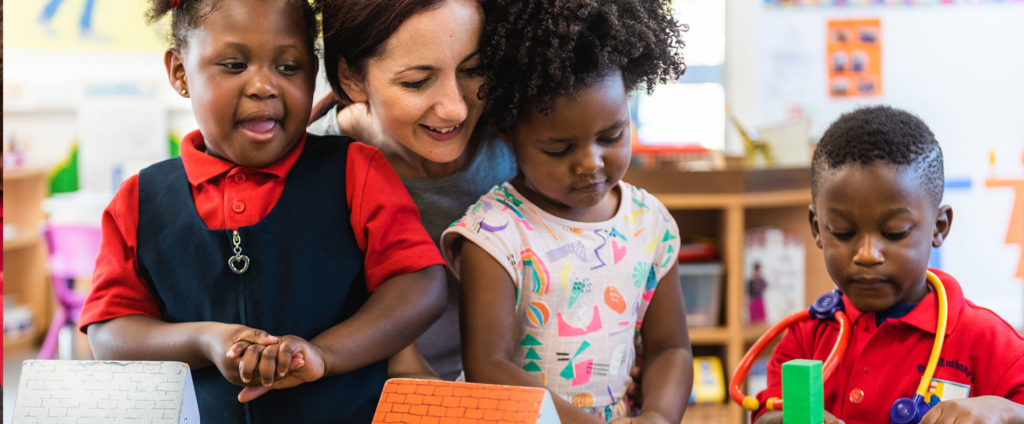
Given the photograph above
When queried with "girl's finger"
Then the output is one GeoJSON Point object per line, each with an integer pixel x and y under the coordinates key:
{"type": "Point", "coordinates": [249, 393]}
{"type": "Point", "coordinates": [250, 360]}
{"type": "Point", "coordinates": [285, 356]}
{"type": "Point", "coordinates": [297, 362]}
{"type": "Point", "coordinates": [235, 350]}
{"type": "Point", "coordinates": [268, 364]}
{"type": "Point", "coordinates": [258, 336]}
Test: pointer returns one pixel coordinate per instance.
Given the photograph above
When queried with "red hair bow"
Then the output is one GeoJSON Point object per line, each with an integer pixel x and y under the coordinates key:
{"type": "Point", "coordinates": [175, 4]}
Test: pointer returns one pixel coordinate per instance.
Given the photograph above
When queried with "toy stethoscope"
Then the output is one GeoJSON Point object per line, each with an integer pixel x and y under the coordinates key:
{"type": "Point", "coordinates": [830, 306]}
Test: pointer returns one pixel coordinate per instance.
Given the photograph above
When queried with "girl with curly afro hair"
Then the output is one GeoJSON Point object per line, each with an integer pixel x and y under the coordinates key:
{"type": "Point", "coordinates": [564, 265]}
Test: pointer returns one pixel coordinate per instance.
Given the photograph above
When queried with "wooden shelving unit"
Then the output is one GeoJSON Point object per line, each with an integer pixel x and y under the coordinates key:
{"type": "Point", "coordinates": [25, 276]}
{"type": "Point", "coordinates": [722, 205]}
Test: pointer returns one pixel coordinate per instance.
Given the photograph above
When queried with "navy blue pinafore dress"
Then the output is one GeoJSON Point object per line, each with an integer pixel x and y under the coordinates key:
{"type": "Point", "coordinates": [305, 275]}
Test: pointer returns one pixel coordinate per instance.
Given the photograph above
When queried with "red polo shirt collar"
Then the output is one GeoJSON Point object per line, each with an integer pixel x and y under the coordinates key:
{"type": "Point", "coordinates": [201, 167]}
{"type": "Point", "coordinates": [926, 313]}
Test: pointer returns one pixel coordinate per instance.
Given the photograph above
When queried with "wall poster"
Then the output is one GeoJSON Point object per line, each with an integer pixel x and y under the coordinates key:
{"type": "Point", "coordinates": [854, 58]}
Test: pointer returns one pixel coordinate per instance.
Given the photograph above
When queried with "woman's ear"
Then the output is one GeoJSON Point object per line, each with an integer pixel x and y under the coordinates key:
{"type": "Point", "coordinates": [812, 218]}
{"type": "Point", "coordinates": [176, 71]}
{"type": "Point", "coordinates": [943, 221]}
{"type": "Point", "coordinates": [351, 82]}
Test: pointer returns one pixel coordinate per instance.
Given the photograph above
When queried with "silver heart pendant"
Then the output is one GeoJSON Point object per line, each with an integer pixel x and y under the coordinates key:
{"type": "Point", "coordinates": [238, 263]}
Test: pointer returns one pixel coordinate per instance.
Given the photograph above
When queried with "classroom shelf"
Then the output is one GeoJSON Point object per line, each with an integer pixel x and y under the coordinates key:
{"type": "Point", "coordinates": [723, 204]}
{"type": "Point", "coordinates": [25, 275]}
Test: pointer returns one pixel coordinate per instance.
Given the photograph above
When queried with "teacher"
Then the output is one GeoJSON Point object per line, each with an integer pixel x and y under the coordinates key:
{"type": "Point", "coordinates": [404, 79]}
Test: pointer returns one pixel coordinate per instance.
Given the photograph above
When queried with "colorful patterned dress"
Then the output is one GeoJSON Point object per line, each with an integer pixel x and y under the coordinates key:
{"type": "Point", "coordinates": [582, 288]}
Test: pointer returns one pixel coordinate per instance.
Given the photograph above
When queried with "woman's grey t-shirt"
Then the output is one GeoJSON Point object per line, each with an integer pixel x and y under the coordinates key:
{"type": "Point", "coordinates": [442, 201]}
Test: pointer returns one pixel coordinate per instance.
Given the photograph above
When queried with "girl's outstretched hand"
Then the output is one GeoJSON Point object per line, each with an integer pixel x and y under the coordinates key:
{"type": "Point", "coordinates": [295, 361]}
{"type": "Point", "coordinates": [235, 339]}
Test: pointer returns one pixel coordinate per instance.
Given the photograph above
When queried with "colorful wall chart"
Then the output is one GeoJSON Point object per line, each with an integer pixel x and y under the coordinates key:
{"type": "Point", "coordinates": [854, 58]}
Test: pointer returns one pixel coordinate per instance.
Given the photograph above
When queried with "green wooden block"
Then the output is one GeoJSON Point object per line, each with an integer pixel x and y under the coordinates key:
{"type": "Point", "coordinates": [802, 392]}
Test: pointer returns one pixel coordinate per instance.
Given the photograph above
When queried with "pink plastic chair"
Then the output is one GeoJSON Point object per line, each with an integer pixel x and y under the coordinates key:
{"type": "Point", "coordinates": [72, 249]}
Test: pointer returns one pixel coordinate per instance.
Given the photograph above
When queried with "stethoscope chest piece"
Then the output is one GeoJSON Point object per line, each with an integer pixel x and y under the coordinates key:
{"type": "Point", "coordinates": [911, 410]}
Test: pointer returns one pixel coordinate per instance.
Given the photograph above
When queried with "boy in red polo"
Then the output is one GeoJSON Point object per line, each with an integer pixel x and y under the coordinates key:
{"type": "Point", "coordinates": [876, 183]}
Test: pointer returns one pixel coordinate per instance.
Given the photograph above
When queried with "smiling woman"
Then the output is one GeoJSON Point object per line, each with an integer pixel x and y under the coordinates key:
{"type": "Point", "coordinates": [405, 75]}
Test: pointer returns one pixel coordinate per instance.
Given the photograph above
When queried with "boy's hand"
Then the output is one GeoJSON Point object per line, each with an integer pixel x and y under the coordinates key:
{"type": "Point", "coordinates": [296, 361]}
{"type": "Point", "coordinates": [219, 338]}
{"type": "Point", "coordinates": [981, 409]}
{"type": "Point", "coordinates": [831, 419]}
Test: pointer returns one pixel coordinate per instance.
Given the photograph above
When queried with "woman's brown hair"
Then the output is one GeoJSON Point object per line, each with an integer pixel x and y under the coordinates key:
{"type": "Point", "coordinates": [356, 30]}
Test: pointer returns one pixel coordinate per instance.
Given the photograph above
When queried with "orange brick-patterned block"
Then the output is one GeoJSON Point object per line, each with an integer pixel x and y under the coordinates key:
{"type": "Point", "coordinates": [448, 401]}
{"type": "Point", "coordinates": [412, 401]}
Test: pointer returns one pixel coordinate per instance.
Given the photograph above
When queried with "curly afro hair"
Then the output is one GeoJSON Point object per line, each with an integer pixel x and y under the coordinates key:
{"type": "Point", "coordinates": [881, 134]}
{"type": "Point", "coordinates": [535, 50]}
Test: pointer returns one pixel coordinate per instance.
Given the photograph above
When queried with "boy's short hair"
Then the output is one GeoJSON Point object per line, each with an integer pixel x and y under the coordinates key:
{"type": "Point", "coordinates": [881, 134]}
{"type": "Point", "coordinates": [536, 50]}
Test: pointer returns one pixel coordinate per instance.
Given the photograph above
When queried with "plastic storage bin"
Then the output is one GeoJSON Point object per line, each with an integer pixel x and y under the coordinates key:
{"type": "Point", "coordinates": [702, 292]}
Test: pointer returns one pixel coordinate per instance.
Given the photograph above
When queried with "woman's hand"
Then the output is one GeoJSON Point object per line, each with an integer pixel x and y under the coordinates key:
{"type": "Point", "coordinates": [356, 121]}
{"type": "Point", "coordinates": [633, 390]}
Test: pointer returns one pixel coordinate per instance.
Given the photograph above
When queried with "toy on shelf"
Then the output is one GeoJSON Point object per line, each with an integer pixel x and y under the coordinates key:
{"type": "Point", "coordinates": [708, 381]}
{"type": "Point", "coordinates": [752, 147]}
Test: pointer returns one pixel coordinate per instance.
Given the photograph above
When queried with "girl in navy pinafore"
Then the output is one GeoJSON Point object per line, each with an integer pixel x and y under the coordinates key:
{"type": "Point", "coordinates": [283, 268]}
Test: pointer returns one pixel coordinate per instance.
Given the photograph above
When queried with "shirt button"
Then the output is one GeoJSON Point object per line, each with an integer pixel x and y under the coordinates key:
{"type": "Point", "coordinates": [239, 178]}
{"type": "Point", "coordinates": [856, 395]}
{"type": "Point", "coordinates": [238, 207]}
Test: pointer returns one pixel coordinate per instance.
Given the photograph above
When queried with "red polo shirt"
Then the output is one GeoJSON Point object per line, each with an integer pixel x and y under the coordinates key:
{"type": "Point", "coordinates": [385, 221]}
{"type": "Point", "coordinates": [982, 355]}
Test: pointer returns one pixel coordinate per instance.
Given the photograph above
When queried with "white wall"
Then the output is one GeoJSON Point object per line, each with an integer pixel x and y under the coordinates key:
{"type": "Point", "coordinates": [959, 68]}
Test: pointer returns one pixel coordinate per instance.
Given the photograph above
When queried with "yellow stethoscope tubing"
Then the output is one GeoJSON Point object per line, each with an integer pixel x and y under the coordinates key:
{"type": "Point", "coordinates": [940, 336]}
